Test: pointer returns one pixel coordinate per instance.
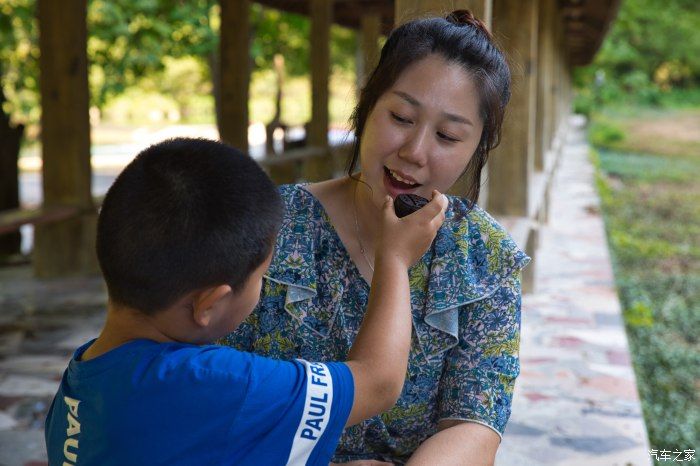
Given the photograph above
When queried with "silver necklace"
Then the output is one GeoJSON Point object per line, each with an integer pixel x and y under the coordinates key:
{"type": "Point", "coordinates": [357, 228]}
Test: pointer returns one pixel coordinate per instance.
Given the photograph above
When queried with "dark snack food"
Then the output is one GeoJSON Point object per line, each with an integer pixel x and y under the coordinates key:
{"type": "Point", "coordinates": [406, 204]}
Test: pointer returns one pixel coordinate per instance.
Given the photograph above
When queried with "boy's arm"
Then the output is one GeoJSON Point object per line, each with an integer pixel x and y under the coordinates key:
{"type": "Point", "coordinates": [379, 356]}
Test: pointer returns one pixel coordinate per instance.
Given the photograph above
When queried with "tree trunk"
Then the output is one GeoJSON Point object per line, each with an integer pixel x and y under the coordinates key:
{"type": "Point", "coordinates": [10, 138]}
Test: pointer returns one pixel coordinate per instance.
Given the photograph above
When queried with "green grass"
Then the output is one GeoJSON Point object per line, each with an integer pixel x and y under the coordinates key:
{"type": "Point", "coordinates": [651, 205]}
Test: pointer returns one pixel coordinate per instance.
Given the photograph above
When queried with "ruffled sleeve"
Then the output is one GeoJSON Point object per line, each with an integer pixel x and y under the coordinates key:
{"type": "Point", "coordinates": [289, 285]}
{"type": "Point", "coordinates": [480, 370]}
{"type": "Point", "coordinates": [472, 257]}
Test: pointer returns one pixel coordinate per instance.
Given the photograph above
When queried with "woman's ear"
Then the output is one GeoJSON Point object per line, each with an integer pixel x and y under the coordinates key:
{"type": "Point", "coordinates": [205, 303]}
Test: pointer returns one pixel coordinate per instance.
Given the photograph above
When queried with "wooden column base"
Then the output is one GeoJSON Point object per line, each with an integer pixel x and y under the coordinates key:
{"type": "Point", "coordinates": [55, 247]}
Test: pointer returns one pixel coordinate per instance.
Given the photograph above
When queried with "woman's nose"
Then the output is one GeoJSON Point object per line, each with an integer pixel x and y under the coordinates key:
{"type": "Point", "coordinates": [416, 147]}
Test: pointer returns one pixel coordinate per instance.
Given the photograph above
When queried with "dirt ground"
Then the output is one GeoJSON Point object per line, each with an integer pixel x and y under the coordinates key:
{"type": "Point", "coordinates": [667, 134]}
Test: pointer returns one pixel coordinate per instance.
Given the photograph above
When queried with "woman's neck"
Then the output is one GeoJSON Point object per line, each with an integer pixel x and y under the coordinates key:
{"type": "Point", "coordinates": [367, 216]}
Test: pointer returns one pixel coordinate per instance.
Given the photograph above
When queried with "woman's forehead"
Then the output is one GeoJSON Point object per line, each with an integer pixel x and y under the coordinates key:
{"type": "Point", "coordinates": [434, 82]}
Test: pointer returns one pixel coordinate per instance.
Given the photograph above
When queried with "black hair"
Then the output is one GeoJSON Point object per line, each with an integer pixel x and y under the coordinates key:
{"type": "Point", "coordinates": [459, 38]}
{"type": "Point", "coordinates": [185, 214]}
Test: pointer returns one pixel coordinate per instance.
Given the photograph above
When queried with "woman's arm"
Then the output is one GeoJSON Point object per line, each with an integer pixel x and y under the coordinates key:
{"type": "Point", "coordinates": [458, 443]}
{"type": "Point", "coordinates": [477, 382]}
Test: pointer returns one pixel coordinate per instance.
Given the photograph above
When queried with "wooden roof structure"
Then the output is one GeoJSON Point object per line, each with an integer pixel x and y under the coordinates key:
{"type": "Point", "coordinates": [585, 22]}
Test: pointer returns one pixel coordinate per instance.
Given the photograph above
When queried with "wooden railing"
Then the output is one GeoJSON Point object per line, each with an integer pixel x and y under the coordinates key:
{"type": "Point", "coordinates": [289, 166]}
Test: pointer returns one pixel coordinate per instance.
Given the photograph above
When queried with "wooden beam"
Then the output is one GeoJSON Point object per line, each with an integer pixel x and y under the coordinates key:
{"type": "Point", "coordinates": [317, 169]}
{"type": "Point", "coordinates": [234, 49]}
{"type": "Point", "coordinates": [65, 247]}
{"type": "Point", "coordinates": [12, 220]}
{"type": "Point", "coordinates": [511, 165]}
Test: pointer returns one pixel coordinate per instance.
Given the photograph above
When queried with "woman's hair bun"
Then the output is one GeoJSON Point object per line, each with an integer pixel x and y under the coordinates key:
{"type": "Point", "coordinates": [467, 18]}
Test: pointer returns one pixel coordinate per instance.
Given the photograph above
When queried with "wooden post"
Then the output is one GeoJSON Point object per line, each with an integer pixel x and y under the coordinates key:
{"type": "Point", "coordinates": [370, 28]}
{"type": "Point", "coordinates": [544, 77]}
{"type": "Point", "coordinates": [65, 247]}
{"type": "Point", "coordinates": [234, 49]}
{"type": "Point", "coordinates": [321, 11]}
{"type": "Point", "coordinates": [561, 66]}
{"type": "Point", "coordinates": [512, 162]}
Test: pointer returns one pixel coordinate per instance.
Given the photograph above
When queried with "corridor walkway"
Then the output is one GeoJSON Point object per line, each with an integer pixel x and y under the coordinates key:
{"type": "Point", "coordinates": [576, 399]}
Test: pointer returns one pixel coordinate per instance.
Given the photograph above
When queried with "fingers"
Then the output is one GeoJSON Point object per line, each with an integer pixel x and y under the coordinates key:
{"type": "Point", "coordinates": [388, 207]}
{"type": "Point", "coordinates": [388, 203]}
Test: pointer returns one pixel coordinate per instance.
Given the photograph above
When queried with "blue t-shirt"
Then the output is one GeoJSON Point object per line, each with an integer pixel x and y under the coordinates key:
{"type": "Point", "coordinates": [177, 404]}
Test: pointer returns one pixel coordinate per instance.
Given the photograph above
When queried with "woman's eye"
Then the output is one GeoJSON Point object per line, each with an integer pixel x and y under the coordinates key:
{"type": "Point", "coordinates": [399, 118]}
{"type": "Point", "coordinates": [446, 138]}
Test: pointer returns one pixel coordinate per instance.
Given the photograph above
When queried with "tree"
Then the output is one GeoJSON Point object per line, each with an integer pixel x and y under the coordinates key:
{"type": "Point", "coordinates": [18, 71]}
{"type": "Point", "coordinates": [652, 46]}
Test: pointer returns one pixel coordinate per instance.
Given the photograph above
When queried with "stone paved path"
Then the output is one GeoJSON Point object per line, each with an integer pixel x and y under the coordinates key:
{"type": "Point", "coordinates": [576, 399]}
{"type": "Point", "coordinates": [575, 402]}
{"type": "Point", "coordinates": [41, 324]}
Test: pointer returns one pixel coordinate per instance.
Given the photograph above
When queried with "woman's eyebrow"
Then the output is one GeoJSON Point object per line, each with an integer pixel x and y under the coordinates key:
{"type": "Point", "coordinates": [450, 116]}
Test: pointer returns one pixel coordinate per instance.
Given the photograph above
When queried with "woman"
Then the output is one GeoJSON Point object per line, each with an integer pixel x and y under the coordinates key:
{"type": "Point", "coordinates": [430, 113]}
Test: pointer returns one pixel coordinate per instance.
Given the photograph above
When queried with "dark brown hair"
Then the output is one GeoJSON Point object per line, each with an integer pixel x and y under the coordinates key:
{"type": "Point", "coordinates": [462, 39]}
{"type": "Point", "coordinates": [185, 214]}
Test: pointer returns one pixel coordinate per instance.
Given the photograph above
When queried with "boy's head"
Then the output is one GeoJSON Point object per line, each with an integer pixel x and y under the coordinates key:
{"type": "Point", "coordinates": [185, 215]}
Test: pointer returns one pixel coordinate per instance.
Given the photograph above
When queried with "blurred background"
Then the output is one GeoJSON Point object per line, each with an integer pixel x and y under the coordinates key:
{"type": "Point", "coordinates": [642, 97]}
{"type": "Point", "coordinates": [156, 69]}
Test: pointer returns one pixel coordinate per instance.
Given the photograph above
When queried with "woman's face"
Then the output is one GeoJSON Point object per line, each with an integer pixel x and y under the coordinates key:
{"type": "Point", "coordinates": [422, 132]}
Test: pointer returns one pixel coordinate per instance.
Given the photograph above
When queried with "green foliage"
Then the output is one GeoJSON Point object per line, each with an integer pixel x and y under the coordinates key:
{"type": "Point", "coordinates": [277, 32]}
{"type": "Point", "coordinates": [650, 50]}
{"type": "Point", "coordinates": [168, 46]}
{"type": "Point", "coordinates": [680, 98]}
{"type": "Point", "coordinates": [129, 39]}
{"type": "Point", "coordinates": [639, 314]}
{"type": "Point", "coordinates": [603, 133]}
{"type": "Point", "coordinates": [651, 205]}
{"type": "Point", "coordinates": [19, 55]}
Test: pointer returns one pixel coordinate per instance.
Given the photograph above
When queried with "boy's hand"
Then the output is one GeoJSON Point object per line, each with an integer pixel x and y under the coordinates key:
{"type": "Point", "coordinates": [407, 238]}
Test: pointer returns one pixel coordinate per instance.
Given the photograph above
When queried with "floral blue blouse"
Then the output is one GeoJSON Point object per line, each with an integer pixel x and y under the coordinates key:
{"type": "Point", "coordinates": [465, 294]}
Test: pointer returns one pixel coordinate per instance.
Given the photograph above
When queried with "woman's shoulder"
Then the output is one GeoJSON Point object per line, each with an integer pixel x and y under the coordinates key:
{"type": "Point", "coordinates": [483, 238]}
{"type": "Point", "coordinates": [302, 230]}
{"type": "Point", "coordinates": [297, 200]}
{"type": "Point", "coordinates": [464, 209]}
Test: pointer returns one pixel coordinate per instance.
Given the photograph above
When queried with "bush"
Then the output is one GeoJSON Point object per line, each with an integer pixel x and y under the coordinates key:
{"type": "Point", "coordinates": [583, 103]}
{"type": "Point", "coordinates": [603, 133]}
{"type": "Point", "coordinates": [649, 216]}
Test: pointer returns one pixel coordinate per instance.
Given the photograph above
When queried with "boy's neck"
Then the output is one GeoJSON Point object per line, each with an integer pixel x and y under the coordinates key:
{"type": "Point", "coordinates": [122, 326]}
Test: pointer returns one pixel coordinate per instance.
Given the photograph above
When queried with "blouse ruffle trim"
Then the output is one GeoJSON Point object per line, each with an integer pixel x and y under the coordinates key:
{"type": "Point", "coordinates": [472, 256]}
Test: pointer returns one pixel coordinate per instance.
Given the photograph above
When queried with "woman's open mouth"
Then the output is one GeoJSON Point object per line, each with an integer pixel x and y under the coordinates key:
{"type": "Point", "coordinates": [396, 184]}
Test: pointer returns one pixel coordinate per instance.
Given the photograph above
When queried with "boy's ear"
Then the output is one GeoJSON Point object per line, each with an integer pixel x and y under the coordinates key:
{"type": "Point", "coordinates": [204, 303]}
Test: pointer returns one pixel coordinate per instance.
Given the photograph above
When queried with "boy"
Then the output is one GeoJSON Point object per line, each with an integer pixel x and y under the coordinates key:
{"type": "Point", "coordinates": [184, 237]}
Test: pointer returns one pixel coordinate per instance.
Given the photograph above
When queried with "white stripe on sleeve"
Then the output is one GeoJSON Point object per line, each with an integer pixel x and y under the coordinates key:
{"type": "Point", "coordinates": [317, 412]}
